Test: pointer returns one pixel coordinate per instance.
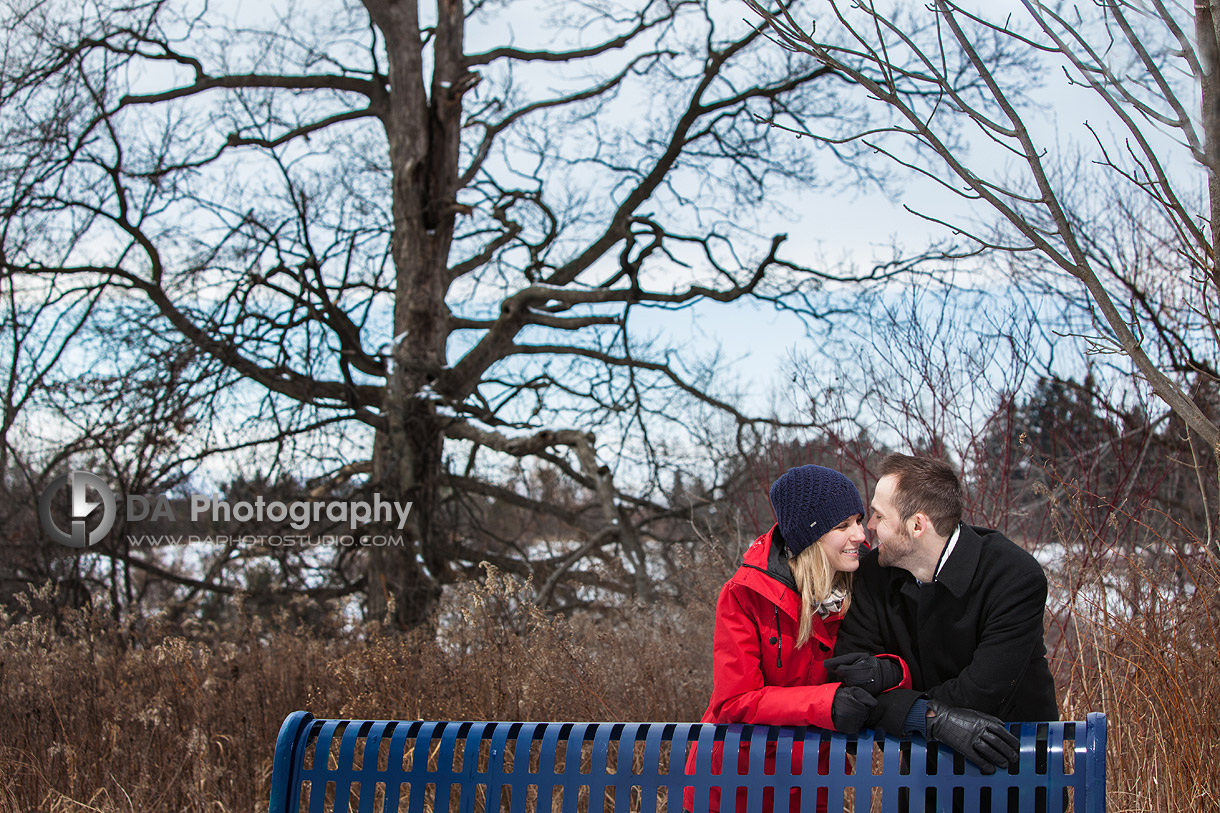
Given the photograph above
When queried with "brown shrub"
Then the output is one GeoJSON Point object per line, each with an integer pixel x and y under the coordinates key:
{"type": "Point", "coordinates": [1137, 632]}
{"type": "Point", "coordinates": [145, 715]}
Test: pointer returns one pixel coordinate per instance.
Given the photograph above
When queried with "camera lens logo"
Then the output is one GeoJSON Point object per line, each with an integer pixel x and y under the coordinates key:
{"type": "Point", "coordinates": [78, 482]}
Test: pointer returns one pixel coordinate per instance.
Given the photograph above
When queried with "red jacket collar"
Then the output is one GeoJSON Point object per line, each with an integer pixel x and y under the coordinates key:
{"type": "Point", "coordinates": [757, 573]}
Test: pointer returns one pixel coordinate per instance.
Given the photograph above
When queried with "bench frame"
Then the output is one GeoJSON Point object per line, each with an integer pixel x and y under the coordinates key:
{"type": "Point", "coordinates": [370, 766]}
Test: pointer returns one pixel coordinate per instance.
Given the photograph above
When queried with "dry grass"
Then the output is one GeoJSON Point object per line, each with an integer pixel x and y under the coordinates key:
{"type": "Point", "coordinates": [1157, 677]}
{"type": "Point", "coordinates": [146, 716]}
{"type": "Point", "coordinates": [1140, 640]}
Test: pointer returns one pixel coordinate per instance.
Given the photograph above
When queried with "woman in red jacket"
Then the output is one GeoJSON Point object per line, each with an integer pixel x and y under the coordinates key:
{"type": "Point", "coordinates": [777, 618]}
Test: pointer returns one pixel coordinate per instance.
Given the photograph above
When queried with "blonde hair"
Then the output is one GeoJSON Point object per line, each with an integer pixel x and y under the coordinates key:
{"type": "Point", "coordinates": [815, 579]}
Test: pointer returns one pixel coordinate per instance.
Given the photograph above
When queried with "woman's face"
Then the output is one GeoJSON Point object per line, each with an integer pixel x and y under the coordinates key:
{"type": "Point", "coordinates": [841, 544]}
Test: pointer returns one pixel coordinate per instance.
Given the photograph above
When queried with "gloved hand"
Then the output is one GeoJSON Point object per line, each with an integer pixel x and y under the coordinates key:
{"type": "Point", "coordinates": [980, 738]}
{"type": "Point", "coordinates": [850, 708]}
{"type": "Point", "coordinates": [871, 673]}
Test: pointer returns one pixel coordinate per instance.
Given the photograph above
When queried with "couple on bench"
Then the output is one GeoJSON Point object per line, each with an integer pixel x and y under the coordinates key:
{"type": "Point", "coordinates": [936, 631]}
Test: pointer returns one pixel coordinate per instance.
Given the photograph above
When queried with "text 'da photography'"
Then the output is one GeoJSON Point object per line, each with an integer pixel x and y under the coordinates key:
{"type": "Point", "coordinates": [79, 509]}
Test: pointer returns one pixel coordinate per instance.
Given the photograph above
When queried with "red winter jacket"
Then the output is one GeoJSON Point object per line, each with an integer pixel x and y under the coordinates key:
{"type": "Point", "coordinates": [758, 674]}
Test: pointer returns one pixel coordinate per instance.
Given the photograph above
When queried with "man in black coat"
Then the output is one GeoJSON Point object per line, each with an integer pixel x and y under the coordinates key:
{"type": "Point", "coordinates": [961, 605]}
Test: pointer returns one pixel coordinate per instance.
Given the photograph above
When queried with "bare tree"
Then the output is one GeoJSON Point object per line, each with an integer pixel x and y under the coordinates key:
{"type": "Point", "coordinates": [39, 326]}
{"type": "Point", "coordinates": [1129, 216]}
{"type": "Point", "coordinates": [411, 264]}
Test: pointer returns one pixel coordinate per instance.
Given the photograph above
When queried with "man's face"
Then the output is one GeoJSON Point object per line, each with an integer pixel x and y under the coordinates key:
{"type": "Point", "coordinates": [894, 541]}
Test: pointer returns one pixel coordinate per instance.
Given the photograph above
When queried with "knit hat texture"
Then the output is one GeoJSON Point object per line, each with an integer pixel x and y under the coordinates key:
{"type": "Point", "coordinates": [811, 500]}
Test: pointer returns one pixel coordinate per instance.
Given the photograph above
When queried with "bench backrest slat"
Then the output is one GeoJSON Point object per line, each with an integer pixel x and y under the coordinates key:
{"type": "Point", "coordinates": [322, 766]}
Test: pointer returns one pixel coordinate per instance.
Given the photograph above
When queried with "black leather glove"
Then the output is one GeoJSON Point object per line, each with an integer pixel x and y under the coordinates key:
{"type": "Point", "coordinates": [980, 738]}
{"type": "Point", "coordinates": [850, 708]}
{"type": "Point", "coordinates": [871, 673]}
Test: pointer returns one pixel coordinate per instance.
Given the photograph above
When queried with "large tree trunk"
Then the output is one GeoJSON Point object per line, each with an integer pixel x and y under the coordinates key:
{"type": "Point", "coordinates": [1209, 57]}
{"type": "Point", "coordinates": [1207, 31]}
{"type": "Point", "coordinates": [403, 580]}
{"type": "Point", "coordinates": [423, 130]}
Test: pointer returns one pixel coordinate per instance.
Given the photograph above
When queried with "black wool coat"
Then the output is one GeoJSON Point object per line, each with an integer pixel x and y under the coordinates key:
{"type": "Point", "coordinates": [972, 637]}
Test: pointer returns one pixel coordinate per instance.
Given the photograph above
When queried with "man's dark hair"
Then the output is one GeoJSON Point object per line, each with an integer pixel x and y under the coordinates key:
{"type": "Point", "coordinates": [927, 485]}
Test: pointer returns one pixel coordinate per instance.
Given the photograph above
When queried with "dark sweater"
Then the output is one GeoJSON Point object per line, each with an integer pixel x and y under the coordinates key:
{"type": "Point", "coordinates": [972, 637]}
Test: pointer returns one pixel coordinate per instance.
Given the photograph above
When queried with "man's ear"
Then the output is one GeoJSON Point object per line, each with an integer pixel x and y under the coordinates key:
{"type": "Point", "coordinates": [919, 524]}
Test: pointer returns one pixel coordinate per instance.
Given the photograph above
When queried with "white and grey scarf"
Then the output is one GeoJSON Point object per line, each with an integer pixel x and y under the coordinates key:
{"type": "Point", "coordinates": [832, 604]}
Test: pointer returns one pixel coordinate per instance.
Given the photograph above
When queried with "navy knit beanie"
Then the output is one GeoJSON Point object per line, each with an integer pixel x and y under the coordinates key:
{"type": "Point", "coordinates": [809, 501]}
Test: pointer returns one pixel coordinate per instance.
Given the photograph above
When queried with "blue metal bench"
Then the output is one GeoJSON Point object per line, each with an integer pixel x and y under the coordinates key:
{"type": "Point", "coordinates": [420, 767]}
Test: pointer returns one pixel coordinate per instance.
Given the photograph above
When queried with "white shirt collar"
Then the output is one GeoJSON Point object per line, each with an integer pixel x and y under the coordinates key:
{"type": "Point", "coordinates": [944, 554]}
